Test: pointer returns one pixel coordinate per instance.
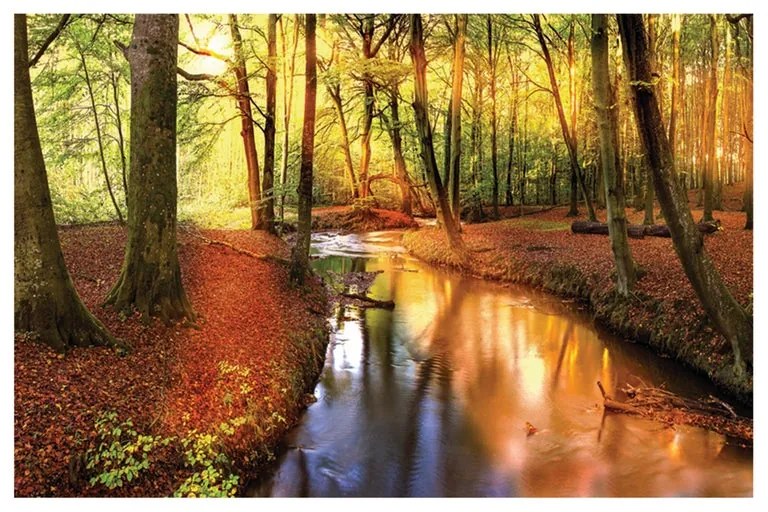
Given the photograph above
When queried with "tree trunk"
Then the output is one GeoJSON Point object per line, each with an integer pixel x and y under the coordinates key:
{"type": "Point", "coordinates": [368, 100]}
{"type": "Point", "coordinates": [99, 138]}
{"type": "Point", "coordinates": [300, 253]}
{"type": "Point", "coordinates": [711, 124]}
{"type": "Point", "coordinates": [45, 301]}
{"type": "Point", "coordinates": [725, 312]}
{"type": "Point", "coordinates": [334, 91]}
{"type": "Point", "coordinates": [150, 279]}
{"type": "Point", "coordinates": [287, 104]}
{"type": "Point", "coordinates": [119, 126]}
{"type": "Point", "coordinates": [420, 105]}
{"type": "Point", "coordinates": [492, 59]}
{"type": "Point", "coordinates": [268, 184]}
{"type": "Point", "coordinates": [570, 141]}
{"type": "Point", "coordinates": [456, 89]}
{"type": "Point", "coordinates": [614, 195]}
{"type": "Point", "coordinates": [674, 106]}
{"type": "Point", "coordinates": [246, 122]}
{"type": "Point", "coordinates": [401, 173]}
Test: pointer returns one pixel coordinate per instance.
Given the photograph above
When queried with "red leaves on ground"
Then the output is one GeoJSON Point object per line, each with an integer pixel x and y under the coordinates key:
{"type": "Point", "coordinates": [172, 381]}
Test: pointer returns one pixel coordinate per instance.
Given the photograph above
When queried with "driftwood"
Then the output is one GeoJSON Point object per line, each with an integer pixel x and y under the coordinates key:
{"type": "Point", "coordinates": [368, 301]}
{"type": "Point", "coordinates": [584, 227]}
{"type": "Point", "coordinates": [661, 405]}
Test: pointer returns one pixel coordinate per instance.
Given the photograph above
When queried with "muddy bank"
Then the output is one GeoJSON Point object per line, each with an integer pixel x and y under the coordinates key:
{"type": "Point", "coordinates": [663, 311]}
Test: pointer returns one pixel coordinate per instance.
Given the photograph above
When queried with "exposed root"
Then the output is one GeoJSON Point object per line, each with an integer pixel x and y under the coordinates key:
{"type": "Point", "coordinates": [221, 243]}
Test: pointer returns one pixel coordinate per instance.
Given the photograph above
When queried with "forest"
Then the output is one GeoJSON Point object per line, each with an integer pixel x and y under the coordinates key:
{"type": "Point", "coordinates": [383, 255]}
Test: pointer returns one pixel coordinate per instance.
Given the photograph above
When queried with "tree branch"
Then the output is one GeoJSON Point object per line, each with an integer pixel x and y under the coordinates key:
{"type": "Point", "coordinates": [63, 22]}
{"type": "Point", "coordinates": [205, 52]}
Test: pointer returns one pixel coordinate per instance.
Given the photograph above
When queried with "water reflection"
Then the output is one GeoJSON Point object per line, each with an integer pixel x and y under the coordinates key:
{"type": "Point", "coordinates": [432, 398]}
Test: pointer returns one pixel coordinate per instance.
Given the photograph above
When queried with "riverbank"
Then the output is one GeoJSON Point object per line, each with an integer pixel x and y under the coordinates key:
{"type": "Point", "coordinates": [351, 219]}
{"type": "Point", "coordinates": [190, 410]}
{"type": "Point", "coordinates": [663, 312]}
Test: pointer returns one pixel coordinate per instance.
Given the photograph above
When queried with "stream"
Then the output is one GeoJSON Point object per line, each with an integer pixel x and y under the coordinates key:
{"type": "Point", "coordinates": [434, 397]}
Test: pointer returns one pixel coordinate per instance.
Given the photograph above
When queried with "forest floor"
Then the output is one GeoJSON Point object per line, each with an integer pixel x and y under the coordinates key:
{"type": "Point", "coordinates": [539, 249]}
{"type": "Point", "coordinates": [231, 387]}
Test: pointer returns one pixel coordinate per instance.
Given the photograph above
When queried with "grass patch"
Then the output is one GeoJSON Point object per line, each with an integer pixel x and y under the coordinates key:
{"type": "Point", "coordinates": [539, 225]}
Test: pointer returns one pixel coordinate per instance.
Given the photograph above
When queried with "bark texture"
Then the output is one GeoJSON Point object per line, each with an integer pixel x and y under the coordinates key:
{"type": "Point", "coordinates": [45, 301]}
{"type": "Point", "coordinates": [150, 279]}
{"type": "Point", "coordinates": [300, 253]}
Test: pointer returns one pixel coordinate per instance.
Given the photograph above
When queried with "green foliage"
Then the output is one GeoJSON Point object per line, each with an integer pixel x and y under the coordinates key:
{"type": "Point", "coordinates": [121, 454]}
{"type": "Point", "coordinates": [212, 477]}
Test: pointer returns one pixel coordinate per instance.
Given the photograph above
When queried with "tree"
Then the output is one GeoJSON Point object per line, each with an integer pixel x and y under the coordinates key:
{"type": "Point", "coordinates": [493, 61]}
{"type": "Point", "coordinates": [455, 117]}
{"type": "Point", "coordinates": [366, 26]}
{"type": "Point", "coordinates": [725, 312]}
{"type": "Point", "coordinates": [568, 135]}
{"type": "Point", "coordinates": [150, 279]}
{"type": "Point", "coordinates": [246, 121]}
{"type": "Point", "coordinates": [300, 253]}
{"type": "Point", "coordinates": [97, 123]}
{"type": "Point", "coordinates": [288, 74]}
{"type": "Point", "coordinates": [424, 129]}
{"type": "Point", "coordinates": [333, 87]}
{"type": "Point", "coordinates": [711, 124]}
{"type": "Point", "coordinates": [45, 300]}
{"type": "Point", "coordinates": [617, 222]}
{"type": "Point", "coordinates": [269, 126]}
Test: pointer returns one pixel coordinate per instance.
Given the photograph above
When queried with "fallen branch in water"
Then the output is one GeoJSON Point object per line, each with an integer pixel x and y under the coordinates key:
{"type": "Point", "coordinates": [661, 405]}
{"type": "Point", "coordinates": [385, 304]}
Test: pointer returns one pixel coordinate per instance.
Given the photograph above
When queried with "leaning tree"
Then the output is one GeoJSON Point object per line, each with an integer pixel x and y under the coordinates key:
{"type": "Point", "coordinates": [150, 279]}
{"type": "Point", "coordinates": [45, 301]}
{"type": "Point", "coordinates": [726, 313]}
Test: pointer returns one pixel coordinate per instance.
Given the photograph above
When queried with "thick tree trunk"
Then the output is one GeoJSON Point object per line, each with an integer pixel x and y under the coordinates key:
{"type": "Point", "coordinates": [150, 279]}
{"type": "Point", "coordinates": [268, 183]}
{"type": "Point", "coordinates": [455, 137]}
{"type": "Point", "coordinates": [45, 301]}
{"type": "Point", "coordinates": [420, 104]}
{"type": "Point", "coordinates": [570, 141]}
{"type": "Point", "coordinates": [300, 253]}
{"type": "Point", "coordinates": [725, 312]}
{"type": "Point", "coordinates": [246, 122]}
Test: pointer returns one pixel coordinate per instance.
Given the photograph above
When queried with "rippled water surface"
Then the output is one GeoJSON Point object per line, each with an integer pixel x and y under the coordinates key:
{"type": "Point", "coordinates": [432, 398]}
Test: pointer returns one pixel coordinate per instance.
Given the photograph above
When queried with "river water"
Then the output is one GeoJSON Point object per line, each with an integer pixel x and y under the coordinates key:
{"type": "Point", "coordinates": [434, 397]}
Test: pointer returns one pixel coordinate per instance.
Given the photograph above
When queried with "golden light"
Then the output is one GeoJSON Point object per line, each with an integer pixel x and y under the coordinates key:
{"type": "Point", "coordinates": [221, 45]}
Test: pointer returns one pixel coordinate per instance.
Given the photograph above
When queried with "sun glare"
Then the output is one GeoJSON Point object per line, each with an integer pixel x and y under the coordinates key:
{"type": "Point", "coordinates": [220, 45]}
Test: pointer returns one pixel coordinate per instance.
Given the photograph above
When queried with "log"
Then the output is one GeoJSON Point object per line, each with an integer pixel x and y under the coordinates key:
{"type": "Point", "coordinates": [370, 302]}
{"type": "Point", "coordinates": [583, 227]}
{"type": "Point", "coordinates": [705, 228]}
